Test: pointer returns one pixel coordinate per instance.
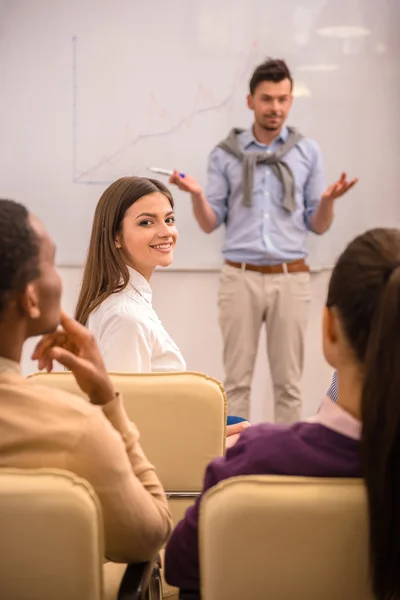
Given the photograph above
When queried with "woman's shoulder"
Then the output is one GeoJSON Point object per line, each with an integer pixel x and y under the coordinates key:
{"type": "Point", "coordinates": [116, 305]}
{"type": "Point", "coordinates": [304, 448]}
{"type": "Point", "coordinates": [123, 311]}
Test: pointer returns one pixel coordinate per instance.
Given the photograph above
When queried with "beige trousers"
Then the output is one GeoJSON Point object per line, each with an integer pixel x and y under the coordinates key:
{"type": "Point", "coordinates": [246, 300]}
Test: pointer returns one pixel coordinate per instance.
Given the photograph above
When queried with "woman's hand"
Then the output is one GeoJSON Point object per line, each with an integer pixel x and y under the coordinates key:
{"type": "Point", "coordinates": [233, 432]}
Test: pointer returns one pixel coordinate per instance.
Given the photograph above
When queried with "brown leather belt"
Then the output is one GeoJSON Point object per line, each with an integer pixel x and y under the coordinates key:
{"type": "Point", "coordinates": [297, 266]}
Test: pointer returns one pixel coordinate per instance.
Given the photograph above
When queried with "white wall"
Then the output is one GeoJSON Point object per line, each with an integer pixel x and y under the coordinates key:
{"type": "Point", "coordinates": [94, 90]}
{"type": "Point", "coordinates": [187, 304]}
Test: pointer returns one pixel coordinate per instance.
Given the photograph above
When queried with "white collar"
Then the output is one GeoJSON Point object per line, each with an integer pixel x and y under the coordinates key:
{"type": "Point", "coordinates": [140, 284]}
{"type": "Point", "coordinates": [333, 417]}
{"type": "Point", "coordinates": [9, 366]}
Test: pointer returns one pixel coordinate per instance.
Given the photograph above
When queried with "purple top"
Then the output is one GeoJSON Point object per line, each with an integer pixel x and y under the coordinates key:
{"type": "Point", "coordinates": [325, 446]}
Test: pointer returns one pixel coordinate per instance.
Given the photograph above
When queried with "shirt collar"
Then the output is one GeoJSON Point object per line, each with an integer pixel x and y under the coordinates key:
{"type": "Point", "coordinates": [140, 284]}
{"type": "Point", "coordinates": [9, 366]}
{"type": "Point", "coordinates": [248, 138]}
{"type": "Point", "coordinates": [333, 417]}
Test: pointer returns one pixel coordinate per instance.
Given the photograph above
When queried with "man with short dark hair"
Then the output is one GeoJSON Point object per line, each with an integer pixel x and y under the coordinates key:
{"type": "Point", "coordinates": [45, 427]}
{"type": "Point", "coordinates": [266, 184]}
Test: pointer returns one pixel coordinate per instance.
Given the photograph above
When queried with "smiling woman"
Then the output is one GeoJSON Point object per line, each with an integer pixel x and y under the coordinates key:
{"type": "Point", "coordinates": [133, 232]}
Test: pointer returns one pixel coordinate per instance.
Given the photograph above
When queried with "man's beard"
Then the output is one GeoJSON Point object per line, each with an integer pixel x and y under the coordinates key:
{"type": "Point", "coordinates": [270, 128]}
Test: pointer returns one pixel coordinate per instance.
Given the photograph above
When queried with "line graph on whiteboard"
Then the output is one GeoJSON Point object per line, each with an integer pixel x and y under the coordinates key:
{"type": "Point", "coordinates": [203, 102]}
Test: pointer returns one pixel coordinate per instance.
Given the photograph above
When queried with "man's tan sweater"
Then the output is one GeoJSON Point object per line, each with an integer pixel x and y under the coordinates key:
{"type": "Point", "coordinates": [43, 427]}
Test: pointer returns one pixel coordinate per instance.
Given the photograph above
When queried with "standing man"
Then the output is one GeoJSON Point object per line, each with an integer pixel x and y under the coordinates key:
{"type": "Point", "coordinates": [266, 184]}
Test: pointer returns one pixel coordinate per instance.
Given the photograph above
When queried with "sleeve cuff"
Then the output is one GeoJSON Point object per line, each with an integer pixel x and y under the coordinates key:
{"type": "Point", "coordinates": [116, 414]}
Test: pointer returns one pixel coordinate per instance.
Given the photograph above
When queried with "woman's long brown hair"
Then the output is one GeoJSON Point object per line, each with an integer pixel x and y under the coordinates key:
{"type": "Point", "coordinates": [365, 289]}
{"type": "Point", "coordinates": [105, 271]}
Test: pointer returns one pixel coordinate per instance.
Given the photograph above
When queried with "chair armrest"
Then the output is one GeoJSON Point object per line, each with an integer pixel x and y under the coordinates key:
{"type": "Point", "coordinates": [141, 581]}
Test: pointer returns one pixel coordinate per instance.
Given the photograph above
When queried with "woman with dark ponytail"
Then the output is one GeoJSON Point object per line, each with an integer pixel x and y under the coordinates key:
{"type": "Point", "coordinates": [363, 311]}
{"type": "Point", "coordinates": [359, 436]}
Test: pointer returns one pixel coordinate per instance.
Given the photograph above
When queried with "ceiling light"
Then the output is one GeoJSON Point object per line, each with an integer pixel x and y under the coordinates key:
{"type": "Point", "coordinates": [301, 90]}
{"type": "Point", "coordinates": [326, 68]}
{"type": "Point", "coordinates": [343, 31]}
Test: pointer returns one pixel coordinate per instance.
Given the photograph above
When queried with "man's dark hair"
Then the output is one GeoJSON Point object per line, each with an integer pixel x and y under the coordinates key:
{"type": "Point", "coordinates": [19, 250]}
{"type": "Point", "coordinates": [272, 69]}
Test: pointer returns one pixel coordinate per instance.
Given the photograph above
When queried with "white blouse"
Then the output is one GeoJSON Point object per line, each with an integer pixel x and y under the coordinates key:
{"type": "Point", "coordinates": [129, 333]}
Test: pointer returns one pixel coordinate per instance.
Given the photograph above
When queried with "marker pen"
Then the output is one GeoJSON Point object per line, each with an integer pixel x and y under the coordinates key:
{"type": "Point", "coordinates": [168, 172]}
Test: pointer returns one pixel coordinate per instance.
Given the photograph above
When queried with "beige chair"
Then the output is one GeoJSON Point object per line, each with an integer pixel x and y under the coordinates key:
{"type": "Point", "coordinates": [51, 542]}
{"type": "Point", "coordinates": [284, 538]}
{"type": "Point", "coordinates": [181, 418]}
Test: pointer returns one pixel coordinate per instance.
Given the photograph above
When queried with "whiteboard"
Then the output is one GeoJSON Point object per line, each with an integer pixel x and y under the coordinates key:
{"type": "Point", "coordinates": [96, 89]}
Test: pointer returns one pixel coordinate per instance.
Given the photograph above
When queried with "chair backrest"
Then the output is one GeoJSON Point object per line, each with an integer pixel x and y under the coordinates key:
{"type": "Point", "coordinates": [284, 537]}
{"type": "Point", "coordinates": [51, 536]}
{"type": "Point", "coordinates": [181, 418]}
